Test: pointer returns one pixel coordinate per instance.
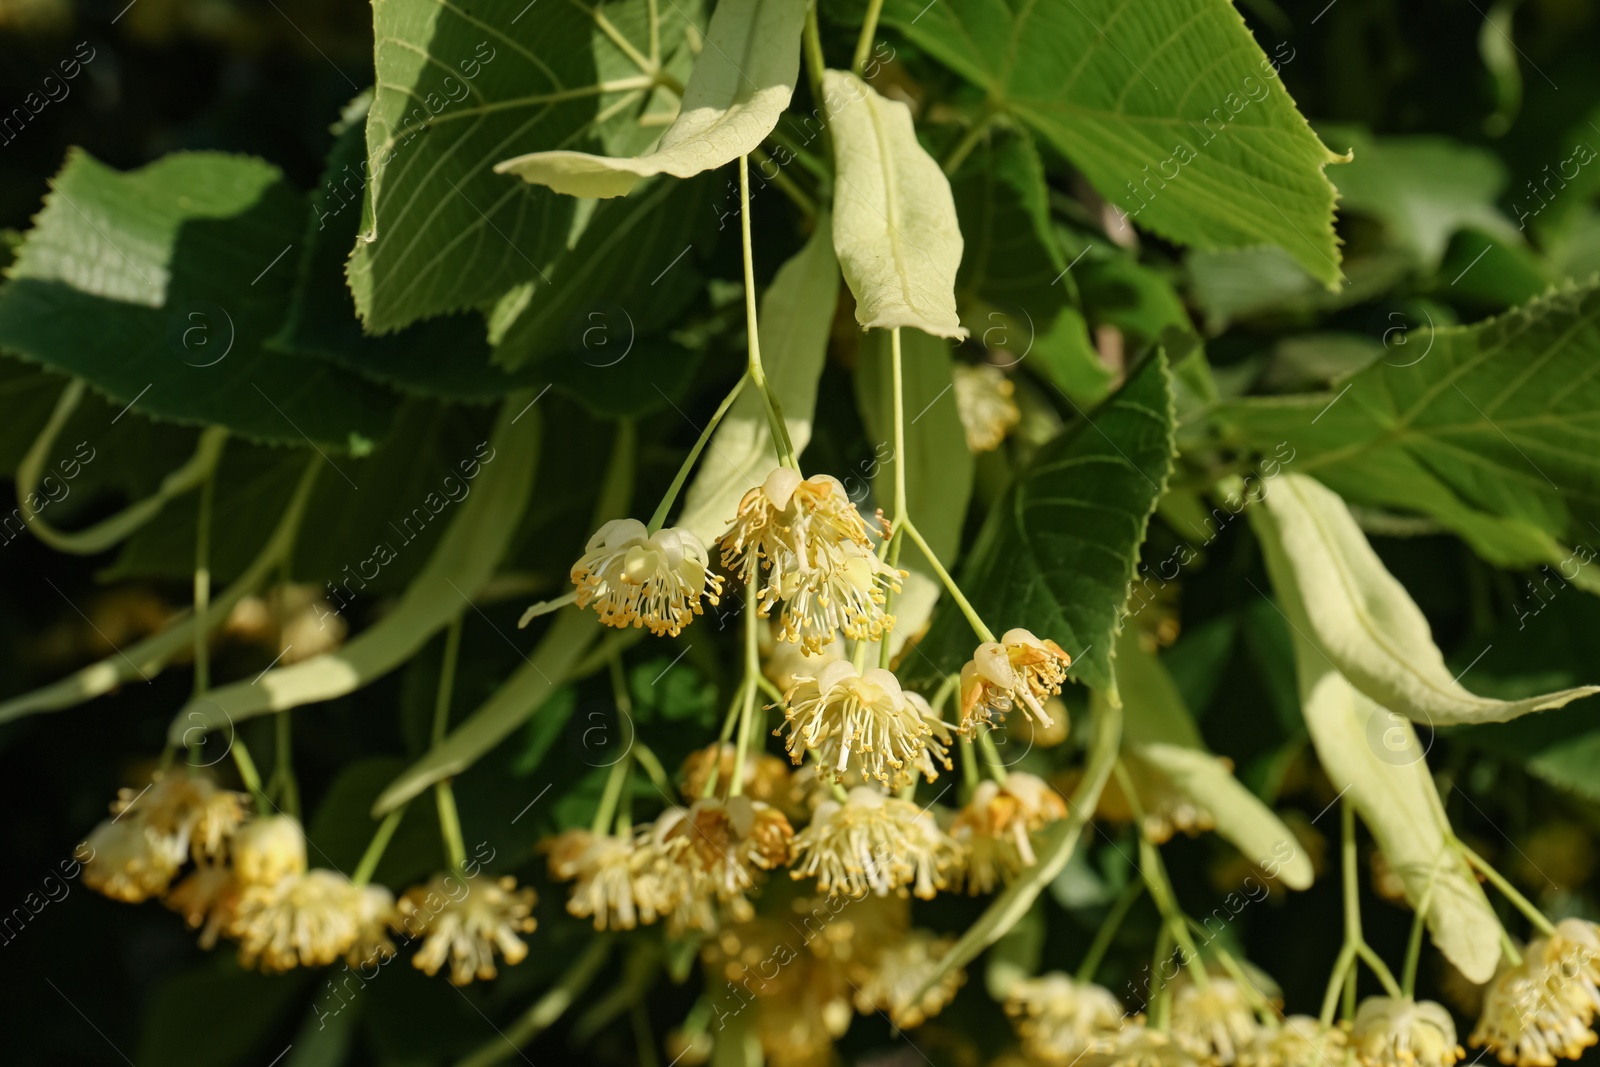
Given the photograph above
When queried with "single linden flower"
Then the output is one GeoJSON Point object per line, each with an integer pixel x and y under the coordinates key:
{"type": "Point", "coordinates": [841, 713]}
{"type": "Point", "coordinates": [612, 880]}
{"type": "Point", "coordinates": [890, 984]}
{"type": "Point", "coordinates": [1019, 669]}
{"type": "Point", "coordinates": [818, 559]}
{"type": "Point", "coordinates": [266, 850]}
{"type": "Point", "coordinates": [1059, 1019]}
{"type": "Point", "coordinates": [306, 919]}
{"type": "Point", "coordinates": [878, 844]}
{"type": "Point", "coordinates": [466, 932]}
{"type": "Point", "coordinates": [189, 809]}
{"type": "Point", "coordinates": [375, 917]}
{"type": "Point", "coordinates": [206, 898]}
{"type": "Point", "coordinates": [997, 824]}
{"type": "Point", "coordinates": [1542, 1008]}
{"type": "Point", "coordinates": [637, 578]}
{"type": "Point", "coordinates": [1136, 1045]}
{"type": "Point", "coordinates": [719, 851]}
{"type": "Point", "coordinates": [1214, 1022]}
{"type": "Point", "coordinates": [129, 861]}
{"type": "Point", "coordinates": [1401, 1032]}
{"type": "Point", "coordinates": [984, 402]}
{"type": "Point", "coordinates": [1302, 1041]}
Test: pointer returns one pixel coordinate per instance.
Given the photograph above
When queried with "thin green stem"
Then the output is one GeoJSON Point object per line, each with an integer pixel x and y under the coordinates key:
{"type": "Point", "coordinates": [659, 519]}
{"type": "Point", "coordinates": [202, 584]}
{"type": "Point", "coordinates": [964, 147]}
{"type": "Point", "coordinates": [752, 669]}
{"type": "Point", "coordinates": [811, 45]}
{"type": "Point", "coordinates": [991, 755]}
{"type": "Point", "coordinates": [444, 795]}
{"type": "Point", "coordinates": [249, 775]}
{"type": "Point", "coordinates": [1108, 930]}
{"type": "Point", "coordinates": [652, 767]}
{"type": "Point", "coordinates": [758, 375]}
{"type": "Point", "coordinates": [1154, 873]}
{"type": "Point", "coordinates": [608, 799]}
{"type": "Point", "coordinates": [983, 632]}
{"type": "Point", "coordinates": [869, 29]}
{"type": "Point", "coordinates": [1379, 968]}
{"type": "Point", "coordinates": [786, 185]}
{"type": "Point", "coordinates": [899, 427]}
{"type": "Point", "coordinates": [1330, 998]}
{"type": "Point", "coordinates": [1160, 1009]}
{"type": "Point", "coordinates": [1408, 978]}
{"type": "Point", "coordinates": [1347, 854]}
{"type": "Point", "coordinates": [455, 846]}
{"type": "Point", "coordinates": [380, 841]}
{"type": "Point", "coordinates": [283, 764]}
{"type": "Point", "coordinates": [969, 767]}
{"type": "Point", "coordinates": [1509, 891]}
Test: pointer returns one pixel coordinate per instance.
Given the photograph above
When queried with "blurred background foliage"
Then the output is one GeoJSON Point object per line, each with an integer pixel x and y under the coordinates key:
{"type": "Point", "coordinates": [1457, 114]}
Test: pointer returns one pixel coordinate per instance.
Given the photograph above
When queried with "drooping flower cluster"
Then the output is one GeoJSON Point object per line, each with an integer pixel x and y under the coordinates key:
{"type": "Point", "coordinates": [1301, 1041]}
{"type": "Point", "coordinates": [997, 824]}
{"type": "Point", "coordinates": [1213, 1022]}
{"type": "Point", "coordinates": [808, 546]}
{"type": "Point", "coordinates": [1401, 1032]}
{"type": "Point", "coordinates": [467, 929]}
{"type": "Point", "coordinates": [135, 854]}
{"type": "Point", "coordinates": [1019, 670]}
{"type": "Point", "coordinates": [637, 578]}
{"type": "Point", "coordinates": [1059, 1020]}
{"type": "Point", "coordinates": [871, 843]}
{"type": "Point", "coordinates": [1544, 1007]}
{"type": "Point", "coordinates": [842, 712]}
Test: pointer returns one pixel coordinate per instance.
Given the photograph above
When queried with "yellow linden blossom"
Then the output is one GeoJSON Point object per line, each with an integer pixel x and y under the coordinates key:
{"type": "Point", "coordinates": [465, 923]}
{"type": "Point", "coordinates": [891, 982]}
{"type": "Point", "coordinates": [305, 919]}
{"type": "Point", "coordinates": [984, 402]}
{"type": "Point", "coordinates": [996, 825]}
{"type": "Point", "coordinates": [206, 898]}
{"type": "Point", "coordinates": [1400, 1032]}
{"type": "Point", "coordinates": [1302, 1041]}
{"type": "Point", "coordinates": [1059, 1019]}
{"type": "Point", "coordinates": [1018, 670]}
{"type": "Point", "coordinates": [1214, 1022]}
{"type": "Point", "coordinates": [1136, 1045]}
{"type": "Point", "coordinates": [375, 916]}
{"type": "Point", "coordinates": [841, 713]}
{"type": "Point", "coordinates": [719, 850]}
{"type": "Point", "coordinates": [636, 578]}
{"type": "Point", "coordinates": [617, 879]}
{"type": "Point", "coordinates": [877, 844]}
{"type": "Point", "coordinates": [130, 862]}
{"type": "Point", "coordinates": [818, 560]}
{"type": "Point", "coordinates": [1543, 1007]}
{"type": "Point", "coordinates": [265, 851]}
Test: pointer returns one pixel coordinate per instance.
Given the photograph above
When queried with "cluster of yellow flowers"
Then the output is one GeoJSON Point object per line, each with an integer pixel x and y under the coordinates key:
{"type": "Point", "coordinates": [251, 884]}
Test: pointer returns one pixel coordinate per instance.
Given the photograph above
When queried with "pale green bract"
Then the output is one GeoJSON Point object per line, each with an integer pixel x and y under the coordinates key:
{"type": "Point", "coordinates": [1159, 730]}
{"type": "Point", "coordinates": [894, 222]}
{"type": "Point", "coordinates": [1366, 624]}
{"type": "Point", "coordinates": [741, 84]}
{"type": "Point", "coordinates": [1373, 757]}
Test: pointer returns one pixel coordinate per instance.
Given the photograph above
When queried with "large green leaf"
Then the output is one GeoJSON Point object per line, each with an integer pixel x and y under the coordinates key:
{"type": "Point", "coordinates": [1058, 553]}
{"type": "Point", "coordinates": [1168, 106]}
{"type": "Point", "coordinates": [461, 86]}
{"type": "Point", "coordinates": [158, 287]}
{"type": "Point", "coordinates": [741, 84]}
{"type": "Point", "coordinates": [1489, 429]}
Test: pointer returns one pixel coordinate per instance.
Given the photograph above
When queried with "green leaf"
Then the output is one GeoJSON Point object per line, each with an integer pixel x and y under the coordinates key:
{"type": "Point", "coordinates": [1168, 107]}
{"type": "Point", "coordinates": [796, 315]}
{"type": "Point", "coordinates": [1366, 624]}
{"type": "Point", "coordinates": [1423, 189]}
{"type": "Point", "coordinates": [939, 466]}
{"type": "Point", "coordinates": [1058, 553]}
{"type": "Point", "coordinates": [1489, 429]}
{"type": "Point", "coordinates": [1373, 756]}
{"type": "Point", "coordinates": [629, 275]}
{"type": "Point", "coordinates": [894, 221]}
{"type": "Point", "coordinates": [465, 558]}
{"type": "Point", "coordinates": [461, 86]}
{"type": "Point", "coordinates": [158, 285]}
{"type": "Point", "coordinates": [741, 84]}
{"type": "Point", "coordinates": [321, 319]}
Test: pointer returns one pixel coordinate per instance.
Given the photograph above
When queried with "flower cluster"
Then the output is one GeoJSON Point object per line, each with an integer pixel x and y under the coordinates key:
{"type": "Point", "coordinates": [1544, 1007]}
{"type": "Point", "coordinates": [997, 825]}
